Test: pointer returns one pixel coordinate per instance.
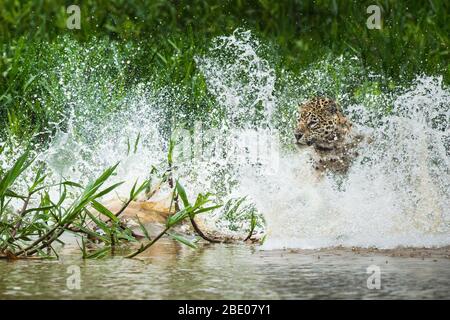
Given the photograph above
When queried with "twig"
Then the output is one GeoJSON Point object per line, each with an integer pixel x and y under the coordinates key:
{"type": "Point", "coordinates": [201, 234]}
{"type": "Point", "coordinates": [113, 243]}
{"type": "Point", "coordinates": [22, 214]}
{"type": "Point", "coordinates": [124, 207]}
{"type": "Point", "coordinates": [30, 250]}
{"type": "Point", "coordinates": [252, 228]}
{"type": "Point", "coordinates": [37, 241]}
{"type": "Point", "coordinates": [148, 245]}
{"type": "Point", "coordinates": [249, 236]}
{"type": "Point", "coordinates": [172, 186]}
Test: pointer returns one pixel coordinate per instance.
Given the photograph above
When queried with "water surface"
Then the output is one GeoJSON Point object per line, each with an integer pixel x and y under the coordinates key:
{"type": "Point", "coordinates": [170, 271]}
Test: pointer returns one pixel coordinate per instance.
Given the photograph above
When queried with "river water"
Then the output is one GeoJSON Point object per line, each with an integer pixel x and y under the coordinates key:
{"type": "Point", "coordinates": [170, 271]}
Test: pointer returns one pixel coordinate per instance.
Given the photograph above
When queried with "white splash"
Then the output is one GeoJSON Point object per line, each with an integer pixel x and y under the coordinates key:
{"type": "Point", "coordinates": [239, 78]}
{"type": "Point", "coordinates": [397, 193]}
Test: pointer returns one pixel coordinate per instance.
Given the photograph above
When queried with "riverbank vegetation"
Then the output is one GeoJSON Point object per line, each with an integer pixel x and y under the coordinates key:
{"type": "Point", "coordinates": [40, 221]}
{"type": "Point", "coordinates": [414, 39]}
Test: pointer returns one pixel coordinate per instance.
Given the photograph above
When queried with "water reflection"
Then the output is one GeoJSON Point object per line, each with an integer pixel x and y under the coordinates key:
{"type": "Point", "coordinates": [172, 271]}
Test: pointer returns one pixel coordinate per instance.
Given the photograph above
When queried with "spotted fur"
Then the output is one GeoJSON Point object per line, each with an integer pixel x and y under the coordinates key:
{"type": "Point", "coordinates": [323, 126]}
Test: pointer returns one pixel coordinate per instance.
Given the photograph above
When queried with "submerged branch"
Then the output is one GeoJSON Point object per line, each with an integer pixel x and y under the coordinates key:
{"type": "Point", "coordinates": [148, 245]}
{"type": "Point", "coordinates": [201, 234]}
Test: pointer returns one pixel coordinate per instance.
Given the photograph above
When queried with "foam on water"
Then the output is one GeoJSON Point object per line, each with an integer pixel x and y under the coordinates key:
{"type": "Point", "coordinates": [397, 193]}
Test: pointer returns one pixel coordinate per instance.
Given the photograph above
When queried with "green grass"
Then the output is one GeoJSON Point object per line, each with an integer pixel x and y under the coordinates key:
{"type": "Point", "coordinates": [33, 227]}
{"type": "Point", "coordinates": [296, 34]}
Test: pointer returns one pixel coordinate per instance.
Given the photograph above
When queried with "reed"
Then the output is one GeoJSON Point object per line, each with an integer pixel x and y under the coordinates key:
{"type": "Point", "coordinates": [38, 224]}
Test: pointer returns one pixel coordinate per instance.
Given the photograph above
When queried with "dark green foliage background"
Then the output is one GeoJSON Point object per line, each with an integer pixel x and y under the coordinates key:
{"type": "Point", "coordinates": [414, 40]}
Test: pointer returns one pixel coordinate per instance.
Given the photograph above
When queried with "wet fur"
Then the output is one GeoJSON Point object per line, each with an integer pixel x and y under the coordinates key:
{"type": "Point", "coordinates": [322, 126]}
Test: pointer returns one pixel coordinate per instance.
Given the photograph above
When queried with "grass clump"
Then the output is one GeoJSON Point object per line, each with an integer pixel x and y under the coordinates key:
{"type": "Point", "coordinates": [40, 221]}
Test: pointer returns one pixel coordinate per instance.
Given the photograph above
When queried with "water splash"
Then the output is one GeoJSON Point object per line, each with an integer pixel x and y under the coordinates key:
{"type": "Point", "coordinates": [397, 193]}
{"type": "Point", "coordinates": [242, 82]}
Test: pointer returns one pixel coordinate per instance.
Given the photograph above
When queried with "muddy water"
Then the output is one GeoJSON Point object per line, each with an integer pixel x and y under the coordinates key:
{"type": "Point", "coordinates": [170, 271]}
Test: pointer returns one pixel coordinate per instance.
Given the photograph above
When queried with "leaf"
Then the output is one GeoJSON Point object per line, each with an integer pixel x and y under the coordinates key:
{"type": "Point", "coordinates": [72, 184]}
{"type": "Point", "coordinates": [107, 190]}
{"type": "Point", "coordinates": [99, 223]}
{"type": "Point", "coordinates": [207, 209]}
{"type": "Point", "coordinates": [135, 192]}
{"type": "Point", "coordinates": [263, 239]}
{"type": "Point", "coordinates": [170, 152]}
{"type": "Point", "coordinates": [144, 230]}
{"type": "Point", "coordinates": [202, 199]}
{"type": "Point", "coordinates": [37, 180]}
{"type": "Point", "coordinates": [94, 186]}
{"type": "Point", "coordinates": [183, 240]}
{"type": "Point", "coordinates": [44, 208]}
{"type": "Point", "coordinates": [93, 234]}
{"type": "Point", "coordinates": [99, 253]}
{"type": "Point", "coordinates": [29, 82]}
{"type": "Point", "coordinates": [137, 142]}
{"type": "Point", "coordinates": [12, 194]}
{"type": "Point", "coordinates": [177, 217]}
{"type": "Point", "coordinates": [128, 146]}
{"type": "Point", "coordinates": [82, 248]}
{"type": "Point", "coordinates": [63, 197]}
{"type": "Point", "coordinates": [253, 221]}
{"type": "Point", "coordinates": [105, 211]}
{"type": "Point", "coordinates": [12, 174]}
{"type": "Point", "coordinates": [126, 235]}
{"type": "Point", "coordinates": [182, 193]}
{"type": "Point", "coordinates": [89, 194]}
